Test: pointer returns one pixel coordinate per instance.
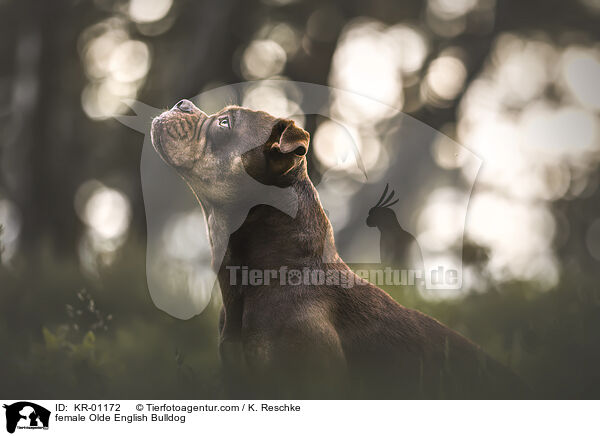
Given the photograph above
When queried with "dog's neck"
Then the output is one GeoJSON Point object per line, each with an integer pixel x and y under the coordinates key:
{"type": "Point", "coordinates": [291, 230]}
{"type": "Point", "coordinates": [279, 226]}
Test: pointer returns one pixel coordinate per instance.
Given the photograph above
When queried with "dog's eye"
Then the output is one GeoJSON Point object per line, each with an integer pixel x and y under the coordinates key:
{"type": "Point", "coordinates": [224, 122]}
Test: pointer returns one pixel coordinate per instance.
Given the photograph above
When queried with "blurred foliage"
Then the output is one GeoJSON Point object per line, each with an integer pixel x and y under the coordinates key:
{"type": "Point", "coordinates": [142, 353]}
{"type": "Point", "coordinates": [549, 338]}
{"type": "Point", "coordinates": [110, 341]}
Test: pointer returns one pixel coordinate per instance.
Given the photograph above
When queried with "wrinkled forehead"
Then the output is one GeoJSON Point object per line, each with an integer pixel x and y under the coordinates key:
{"type": "Point", "coordinates": [250, 127]}
{"type": "Point", "coordinates": [242, 114]}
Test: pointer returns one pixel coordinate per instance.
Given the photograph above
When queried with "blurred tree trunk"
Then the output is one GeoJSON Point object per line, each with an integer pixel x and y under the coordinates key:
{"type": "Point", "coordinates": [40, 160]}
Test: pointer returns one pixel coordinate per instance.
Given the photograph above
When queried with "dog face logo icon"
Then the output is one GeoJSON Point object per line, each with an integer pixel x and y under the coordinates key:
{"type": "Point", "coordinates": [26, 415]}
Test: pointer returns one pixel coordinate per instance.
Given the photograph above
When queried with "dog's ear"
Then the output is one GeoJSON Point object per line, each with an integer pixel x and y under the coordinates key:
{"type": "Point", "coordinates": [288, 148]}
{"type": "Point", "coordinates": [283, 151]}
{"type": "Point", "coordinates": [293, 140]}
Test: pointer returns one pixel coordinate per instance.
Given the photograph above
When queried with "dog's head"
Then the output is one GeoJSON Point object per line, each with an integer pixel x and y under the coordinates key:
{"type": "Point", "coordinates": [216, 153]}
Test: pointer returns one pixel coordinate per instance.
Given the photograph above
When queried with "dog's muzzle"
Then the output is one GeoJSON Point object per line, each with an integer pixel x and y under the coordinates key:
{"type": "Point", "coordinates": [182, 123]}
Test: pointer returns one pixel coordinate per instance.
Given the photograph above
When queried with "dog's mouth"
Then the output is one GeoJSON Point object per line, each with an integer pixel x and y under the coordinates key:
{"type": "Point", "coordinates": [156, 133]}
{"type": "Point", "coordinates": [175, 134]}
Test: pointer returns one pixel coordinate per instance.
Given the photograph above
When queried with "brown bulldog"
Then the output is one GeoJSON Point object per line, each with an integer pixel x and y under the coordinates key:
{"type": "Point", "coordinates": [333, 335]}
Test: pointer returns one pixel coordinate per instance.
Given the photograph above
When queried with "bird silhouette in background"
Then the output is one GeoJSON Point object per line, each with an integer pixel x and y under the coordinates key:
{"type": "Point", "coordinates": [395, 243]}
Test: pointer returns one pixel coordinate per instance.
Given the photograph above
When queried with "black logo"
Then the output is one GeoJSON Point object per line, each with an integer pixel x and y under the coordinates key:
{"type": "Point", "coordinates": [26, 415]}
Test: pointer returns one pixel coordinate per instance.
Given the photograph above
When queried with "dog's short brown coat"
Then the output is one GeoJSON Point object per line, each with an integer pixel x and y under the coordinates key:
{"type": "Point", "coordinates": [305, 340]}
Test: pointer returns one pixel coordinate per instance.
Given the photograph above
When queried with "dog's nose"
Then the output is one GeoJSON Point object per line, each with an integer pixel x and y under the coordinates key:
{"type": "Point", "coordinates": [185, 106]}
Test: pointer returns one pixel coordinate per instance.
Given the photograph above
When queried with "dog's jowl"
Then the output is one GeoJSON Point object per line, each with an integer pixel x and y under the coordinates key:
{"type": "Point", "coordinates": [296, 321]}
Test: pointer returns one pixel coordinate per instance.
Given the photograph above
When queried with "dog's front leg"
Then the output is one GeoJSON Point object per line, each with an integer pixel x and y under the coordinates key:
{"type": "Point", "coordinates": [297, 359]}
{"type": "Point", "coordinates": [231, 354]}
{"type": "Point", "coordinates": [230, 344]}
